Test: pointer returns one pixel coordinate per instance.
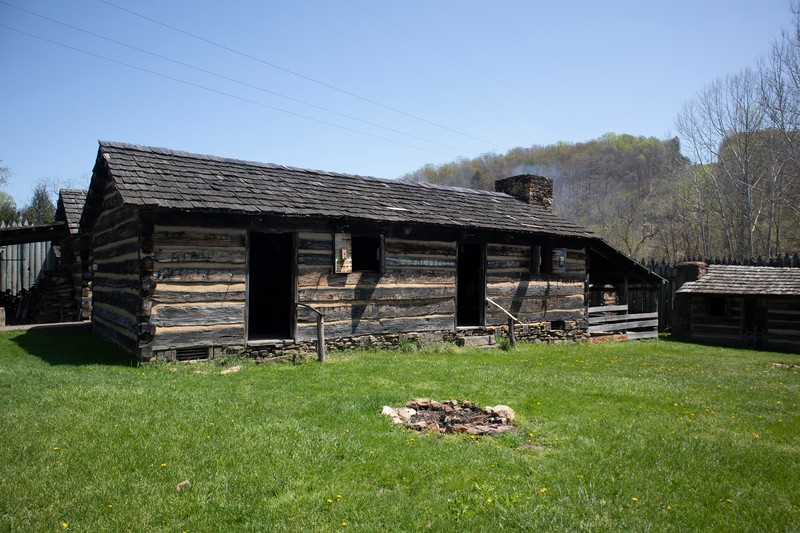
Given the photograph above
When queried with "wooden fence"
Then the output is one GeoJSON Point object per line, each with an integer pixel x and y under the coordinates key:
{"type": "Point", "coordinates": [614, 319]}
{"type": "Point", "coordinates": [669, 272]}
{"type": "Point", "coordinates": [21, 265]}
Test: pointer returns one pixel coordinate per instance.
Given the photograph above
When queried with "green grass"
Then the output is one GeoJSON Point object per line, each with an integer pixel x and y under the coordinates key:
{"type": "Point", "coordinates": [648, 436]}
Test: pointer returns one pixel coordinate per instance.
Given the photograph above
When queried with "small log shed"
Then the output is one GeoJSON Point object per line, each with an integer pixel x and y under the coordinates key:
{"type": "Point", "coordinates": [193, 254]}
{"type": "Point", "coordinates": [734, 305]}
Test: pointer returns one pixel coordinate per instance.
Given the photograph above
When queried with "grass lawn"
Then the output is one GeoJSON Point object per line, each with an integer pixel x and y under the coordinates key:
{"type": "Point", "coordinates": [640, 436]}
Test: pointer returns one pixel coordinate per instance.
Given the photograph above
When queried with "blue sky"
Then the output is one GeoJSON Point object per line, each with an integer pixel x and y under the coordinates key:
{"type": "Point", "coordinates": [391, 85]}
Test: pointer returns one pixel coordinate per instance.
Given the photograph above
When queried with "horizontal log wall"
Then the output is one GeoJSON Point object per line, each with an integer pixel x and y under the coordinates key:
{"type": "Point", "coordinates": [532, 297]}
{"type": "Point", "coordinates": [116, 279]}
{"type": "Point", "coordinates": [783, 319]}
{"type": "Point", "coordinates": [728, 329]}
{"type": "Point", "coordinates": [199, 292]}
{"type": "Point", "coordinates": [415, 291]}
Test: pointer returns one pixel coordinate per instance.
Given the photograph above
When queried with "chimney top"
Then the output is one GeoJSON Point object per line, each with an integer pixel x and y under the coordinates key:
{"type": "Point", "coordinates": [528, 188]}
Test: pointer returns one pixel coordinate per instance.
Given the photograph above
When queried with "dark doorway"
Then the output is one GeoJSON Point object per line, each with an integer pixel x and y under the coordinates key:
{"type": "Point", "coordinates": [755, 321]}
{"type": "Point", "coordinates": [470, 283]}
{"type": "Point", "coordinates": [271, 286]}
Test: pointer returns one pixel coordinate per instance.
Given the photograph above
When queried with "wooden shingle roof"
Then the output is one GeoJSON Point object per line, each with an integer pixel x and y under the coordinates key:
{"type": "Point", "coordinates": [731, 280]}
{"type": "Point", "coordinates": [70, 207]}
{"type": "Point", "coordinates": [159, 178]}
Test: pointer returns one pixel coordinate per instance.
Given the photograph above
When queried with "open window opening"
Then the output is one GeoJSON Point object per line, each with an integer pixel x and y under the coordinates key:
{"type": "Point", "coordinates": [358, 253]}
{"type": "Point", "coordinates": [547, 260]}
{"type": "Point", "coordinates": [270, 286]}
{"type": "Point", "coordinates": [471, 285]}
{"type": "Point", "coordinates": [367, 253]}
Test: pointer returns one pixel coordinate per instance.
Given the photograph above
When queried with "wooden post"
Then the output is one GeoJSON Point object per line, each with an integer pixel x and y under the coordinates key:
{"type": "Point", "coordinates": [511, 336]}
{"type": "Point", "coordinates": [320, 331]}
{"type": "Point", "coordinates": [320, 338]}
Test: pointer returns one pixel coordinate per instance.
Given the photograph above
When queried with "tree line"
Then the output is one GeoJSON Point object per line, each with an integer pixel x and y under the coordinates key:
{"type": "Point", "coordinates": [40, 210]}
{"type": "Point", "coordinates": [729, 186]}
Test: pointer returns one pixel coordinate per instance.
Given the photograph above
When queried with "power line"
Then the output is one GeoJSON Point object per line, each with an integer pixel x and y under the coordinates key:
{"type": "Point", "coordinates": [245, 84]}
{"type": "Point", "coordinates": [297, 74]}
{"type": "Point", "coordinates": [434, 47]}
{"type": "Point", "coordinates": [386, 55]}
{"type": "Point", "coordinates": [223, 93]}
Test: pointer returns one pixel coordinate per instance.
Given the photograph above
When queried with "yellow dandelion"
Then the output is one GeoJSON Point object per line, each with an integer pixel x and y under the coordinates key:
{"type": "Point", "coordinates": [756, 436]}
{"type": "Point", "coordinates": [329, 500]}
{"type": "Point", "coordinates": [163, 465]}
{"type": "Point", "coordinates": [344, 524]}
{"type": "Point", "coordinates": [109, 506]}
{"type": "Point", "coordinates": [635, 499]}
{"type": "Point", "coordinates": [543, 490]}
{"type": "Point", "coordinates": [56, 448]}
{"type": "Point", "coordinates": [669, 507]}
{"type": "Point", "coordinates": [338, 496]}
{"type": "Point", "coordinates": [728, 500]}
{"type": "Point", "coordinates": [489, 500]}
{"type": "Point", "coordinates": [580, 476]}
{"type": "Point", "coordinates": [64, 525]}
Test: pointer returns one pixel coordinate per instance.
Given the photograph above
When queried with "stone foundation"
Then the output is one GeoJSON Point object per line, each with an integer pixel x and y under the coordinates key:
{"type": "Point", "coordinates": [542, 332]}
{"type": "Point", "coordinates": [573, 331]}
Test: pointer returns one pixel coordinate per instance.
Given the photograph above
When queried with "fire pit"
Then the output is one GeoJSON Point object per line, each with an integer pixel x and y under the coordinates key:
{"type": "Point", "coordinates": [452, 416]}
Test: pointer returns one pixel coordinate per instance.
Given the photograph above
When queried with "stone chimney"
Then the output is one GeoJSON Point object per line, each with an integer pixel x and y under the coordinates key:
{"type": "Point", "coordinates": [690, 271]}
{"type": "Point", "coordinates": [528, 188]}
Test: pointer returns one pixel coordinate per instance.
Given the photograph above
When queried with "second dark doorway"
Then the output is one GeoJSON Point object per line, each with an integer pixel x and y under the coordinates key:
{"type": "Point", "coordinates": [271, 286]}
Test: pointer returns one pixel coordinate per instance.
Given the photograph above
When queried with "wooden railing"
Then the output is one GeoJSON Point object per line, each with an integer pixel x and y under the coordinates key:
{"type": "Point", "coordinates": [511, 319]}
{"type": "Point", "coordinates": [615, 319]}
{"type": "Point", "coordinates": [320, 331]}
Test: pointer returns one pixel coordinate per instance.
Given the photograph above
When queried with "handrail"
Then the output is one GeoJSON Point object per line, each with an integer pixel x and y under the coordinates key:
{"type": "Point", "coordinates": [320, 330]}
{"type": "Point", "coordinates": [511, 319]}
{"type": "Point", "coordinates": [500, 307]}
{"type": "Point", "coordinates": [319, 313]}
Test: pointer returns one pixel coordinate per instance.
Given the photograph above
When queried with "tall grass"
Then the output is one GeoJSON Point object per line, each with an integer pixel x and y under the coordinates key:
{"type": "Point", "coordinates": [654, 435]}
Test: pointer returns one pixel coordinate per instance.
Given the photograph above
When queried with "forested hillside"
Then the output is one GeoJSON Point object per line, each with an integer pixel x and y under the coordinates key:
{"type": "Point", "coordinates": [620, 186]}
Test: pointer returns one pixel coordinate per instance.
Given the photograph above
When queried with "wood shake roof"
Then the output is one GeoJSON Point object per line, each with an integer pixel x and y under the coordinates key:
{"type": "Point", "coordinates": [70, 207]}
{"type": "Point", "coordinates": [730, 279]}
{"type": "Point", "coordinates": [159, 178]}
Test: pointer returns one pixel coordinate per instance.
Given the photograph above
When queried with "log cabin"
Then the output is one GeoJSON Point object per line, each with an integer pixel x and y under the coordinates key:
{"type": "Point", "coordinates": [193, 255]}
{"type": "Point", "coordinates": [751, 306]}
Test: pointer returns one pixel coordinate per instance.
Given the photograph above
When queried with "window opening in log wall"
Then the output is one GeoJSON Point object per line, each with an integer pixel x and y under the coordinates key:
{"type": "Point", "coordinates": [271, 286]}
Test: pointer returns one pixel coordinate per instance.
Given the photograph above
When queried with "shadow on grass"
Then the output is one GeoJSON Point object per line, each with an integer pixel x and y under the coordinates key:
{"type": "Point", "coordinates": [674, 340]}
{"type": "Point", "coordinates": [71, 346]}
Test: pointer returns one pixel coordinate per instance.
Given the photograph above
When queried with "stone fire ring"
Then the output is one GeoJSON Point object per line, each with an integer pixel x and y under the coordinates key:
{"type": "Point", "coordinates": [452, 416]}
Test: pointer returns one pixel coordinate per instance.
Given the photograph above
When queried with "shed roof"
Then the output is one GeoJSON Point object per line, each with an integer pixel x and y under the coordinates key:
{"type": "Point", "coordinates": [732, 279]}
{"type": "Point", "coordinates": [70, 208]}
{"type": "Point", "coordinates": [160, 178]}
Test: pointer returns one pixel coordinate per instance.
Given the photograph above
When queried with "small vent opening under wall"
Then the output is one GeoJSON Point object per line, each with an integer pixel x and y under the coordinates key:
{"type": "Point", "coordinates": [192, 353]}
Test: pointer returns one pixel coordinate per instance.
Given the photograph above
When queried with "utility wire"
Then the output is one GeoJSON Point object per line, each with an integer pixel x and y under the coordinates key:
{"type": "Point", "coordinates": [435, 48]}
{"type": "Point", "coordinates": [245, 84]}
{"type": "Point", "coordinates": [297, 74]}
{"type": "Point", "coordinates": [223, 93]}
{"type": "Point", "coordinates": [386, 55]}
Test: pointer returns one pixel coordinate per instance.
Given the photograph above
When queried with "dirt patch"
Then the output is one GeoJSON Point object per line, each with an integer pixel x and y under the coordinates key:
{"type": "Point", "coordinates": [785, 365]}
{"type": "Point", "coordinates": [452, 416]}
